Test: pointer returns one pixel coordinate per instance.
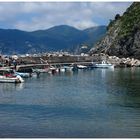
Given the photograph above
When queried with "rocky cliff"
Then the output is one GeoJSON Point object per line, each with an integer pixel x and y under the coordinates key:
{"type": "Point", "coordinates": [123, 36]}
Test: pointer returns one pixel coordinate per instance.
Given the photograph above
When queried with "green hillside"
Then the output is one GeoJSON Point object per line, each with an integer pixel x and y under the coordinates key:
{"type": "Point", "coordinates": [123, 35]}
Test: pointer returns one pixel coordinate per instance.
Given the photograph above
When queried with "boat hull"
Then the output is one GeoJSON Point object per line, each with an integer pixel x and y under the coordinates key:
{"type": "Point", "coordinates": [16, 79]}
{"type": "Point", "coordinates": [10, 80]}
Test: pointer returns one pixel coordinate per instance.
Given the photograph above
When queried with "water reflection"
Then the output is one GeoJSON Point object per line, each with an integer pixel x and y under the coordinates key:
{"type": "Point", "coordinates": [8, 92]}
{"type": "Point", "coordinates": [10, 87]}
{"type": "Point", "coordinates": [123, 88]}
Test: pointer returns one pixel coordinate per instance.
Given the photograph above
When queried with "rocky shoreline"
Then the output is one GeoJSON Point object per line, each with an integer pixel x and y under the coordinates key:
{"type": "Point", "coordinates": [119, 62]}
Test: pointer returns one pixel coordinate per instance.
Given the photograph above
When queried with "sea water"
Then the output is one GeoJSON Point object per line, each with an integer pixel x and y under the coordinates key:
{"type": "Point", "coordinates": [89, 103]}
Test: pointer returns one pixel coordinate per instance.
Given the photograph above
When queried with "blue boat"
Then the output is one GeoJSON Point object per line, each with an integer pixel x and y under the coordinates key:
{"type": "Point", "coordinates": [24, 75]}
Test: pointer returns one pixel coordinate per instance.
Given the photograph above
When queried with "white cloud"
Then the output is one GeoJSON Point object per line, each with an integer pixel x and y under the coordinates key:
{"type": "Point", "coordinates": [42, 15]}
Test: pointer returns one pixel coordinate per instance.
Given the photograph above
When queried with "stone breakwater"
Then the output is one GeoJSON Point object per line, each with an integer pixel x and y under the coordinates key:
{"type": "Point", "coordinates": [127, 62]}
{"type": "Point", "coordinates": [95, 58]}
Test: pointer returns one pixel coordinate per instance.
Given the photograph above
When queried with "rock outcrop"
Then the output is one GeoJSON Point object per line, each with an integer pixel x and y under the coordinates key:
{"type": "Point", "coordinates": [123, 36]}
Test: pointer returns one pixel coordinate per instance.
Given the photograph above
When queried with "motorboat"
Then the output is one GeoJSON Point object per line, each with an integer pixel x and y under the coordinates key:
{"type": "Point", "coordinates": [68, 68]}
{"type": "Point", "coordinates": [103, 65]}
{"type": "Point", "coordinates": [62, 69]}
{"type": "Point", "coordinates": [24, 75]}
{"type": "Point", "coordinates": [81, 67]}
{"type": "Point", "coordinates": [7, 76]}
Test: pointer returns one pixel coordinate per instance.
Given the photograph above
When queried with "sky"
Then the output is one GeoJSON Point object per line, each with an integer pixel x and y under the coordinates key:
{"type": "Point", "coordinates": [31, 16]}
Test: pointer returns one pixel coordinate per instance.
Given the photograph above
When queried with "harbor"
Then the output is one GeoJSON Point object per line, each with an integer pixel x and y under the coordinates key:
{"type": "Point", "coordinates": [87, 103]}
{"type": "Point", "coordinates": [13, 69]}
{"type": "Point", "coordinates": [74, 99]}
{"type": "Point", "coordinates": [70, 69]}
{"type": "Point", "coordinates": [32, 65]}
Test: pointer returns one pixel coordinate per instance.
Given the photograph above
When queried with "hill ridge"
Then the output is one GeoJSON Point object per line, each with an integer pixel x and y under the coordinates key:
{"type": "Point", "coordinates": [62, 37]}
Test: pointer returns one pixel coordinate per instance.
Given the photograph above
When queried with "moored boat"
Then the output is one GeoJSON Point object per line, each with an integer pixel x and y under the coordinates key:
{"type": "Point", "coordinates": [52, 70]}
{"type": "Point", "coordinates": [62, 69]}
{"type": "Point", "coordinates": [103, 65]}
{"type": "Point", "coordinates": [7, 76]}
{"type": "Point", "coordinates": [68, 68]}
{"type": "Point", "coordinates": [24, 75]}
{"type": "Point", "coordinates": [81, 67]}
{"type": "Point", "coordinates": [41, 70]}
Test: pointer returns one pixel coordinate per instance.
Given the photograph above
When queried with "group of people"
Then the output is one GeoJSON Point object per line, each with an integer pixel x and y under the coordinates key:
{"type": "Point", "coordinates": [9, 61]}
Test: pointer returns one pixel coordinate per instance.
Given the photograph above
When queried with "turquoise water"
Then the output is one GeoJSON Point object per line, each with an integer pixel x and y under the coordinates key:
{"type": "Point", "coordinates": [92, 103]}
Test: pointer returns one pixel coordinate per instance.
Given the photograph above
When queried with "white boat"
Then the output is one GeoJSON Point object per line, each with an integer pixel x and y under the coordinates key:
{"type": "Point", "coordinates": [52, 70]}
{"type": "Point", "coordinates": [62, 69]}
{"type": "Point", "coordinates": [103, 65]}
{"type": "Point", "coordinates": [6, 76]}
{"type": "Point", "coordinates": [41, 70]}
{"type": "Point", "coordinates": [81, 67]}
{"type": "Point", "coordinates": [68, 68]}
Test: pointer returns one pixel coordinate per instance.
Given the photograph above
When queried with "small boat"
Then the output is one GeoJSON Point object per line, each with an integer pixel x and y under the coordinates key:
{"type": "Point", "coordinates": [52, 70]}
{"type": "Point", "coordinates": [62, 69]}
{"type": "Point", "coordinates": [81, 67]}
{"type": "Point", "coordinates": [24, 75]}
{"type": "Point", "coordinates": [7, 76]}
{"type": "Point", "coordinates": [103, 65]}
{"type": "Point", "coordinates": [41, 70]}
{"type": "Point", "coordinates": [68, 68]}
